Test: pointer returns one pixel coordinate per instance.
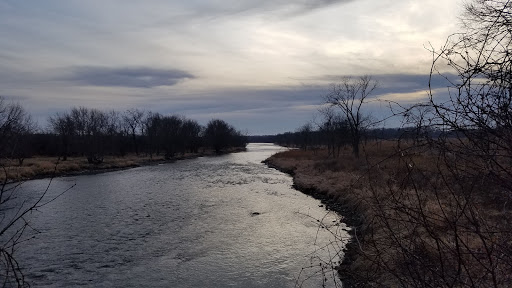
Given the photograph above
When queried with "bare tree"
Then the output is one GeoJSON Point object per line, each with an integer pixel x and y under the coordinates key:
{"type": "Point", "coordinates": [217, 134]}
{"type": "Point", "coordinates": [418, 122]}
{"type": "Point", "coordinates": [133, 119]}
{"type": "Point", "coordinates": [191, 133]}
{"type": "Point", "coordinates": [152, 124]}
{"type": "Point", "coordinates": [334, 130]}
{"type": "Point", "coordinates": [64, 126]}
{"type": "Point", "coordinates": [16, 126]}
{"type": "Point", "coordinates": [114, 133]}
{"type": "Point", "coordinates": [171, 135]}
{"type": "Point", "coordinates": [444, 214]}
{"type": "Point", "coordinates": [349, 95]}
{"type": "Point", "coordinates": [479, 104]}
{"type": "Point", "coordinates": [95, 136]}
{"type": "Point", "coordinates": [305, 135]}
{"type": "Point", "coordinates": [91, 126]}
{"type": "Point", "coordinates": [220, 135]}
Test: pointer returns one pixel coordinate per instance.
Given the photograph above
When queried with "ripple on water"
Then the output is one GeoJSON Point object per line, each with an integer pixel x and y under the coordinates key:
{"type": "Point", "coordinates": [208, 222]}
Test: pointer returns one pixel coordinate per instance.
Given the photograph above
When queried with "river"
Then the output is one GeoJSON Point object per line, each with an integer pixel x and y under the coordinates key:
{"type": "Point", "coordinates": [206, 222]}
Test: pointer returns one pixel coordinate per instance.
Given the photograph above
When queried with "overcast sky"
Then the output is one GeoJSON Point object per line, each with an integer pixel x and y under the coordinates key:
{"type": "Point", "coordinates": [261, 65]}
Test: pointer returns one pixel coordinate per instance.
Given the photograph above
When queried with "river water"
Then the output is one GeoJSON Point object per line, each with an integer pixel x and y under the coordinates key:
{"type": "Point", "coordinates": [206, 222]}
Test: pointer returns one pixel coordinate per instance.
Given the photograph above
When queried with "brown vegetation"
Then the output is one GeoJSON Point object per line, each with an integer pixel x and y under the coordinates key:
{"type": "Point", "coordinates": [416, 223]}
{"type": "Point", "coordinates": [43, 166]}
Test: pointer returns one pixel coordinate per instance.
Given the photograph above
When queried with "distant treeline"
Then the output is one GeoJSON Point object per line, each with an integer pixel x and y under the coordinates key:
{"type": "Point", "coordinates": [306, 136]}
{"type": "Point", "coordinates": [94, 133]}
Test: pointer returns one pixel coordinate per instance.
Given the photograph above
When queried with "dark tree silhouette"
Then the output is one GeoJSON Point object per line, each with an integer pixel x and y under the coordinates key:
{"type": "Point", "coordinates": [171, 135]}
{"type": "Point", "coordinates": [349, 95]}
{"type": "Point", "coordinates": [217, 134]}
{"type": "Point", "coordinates": [16, 125]}
{"type": "Point", "coordinates": [133, 119]}
{"type": "Point", "coordinates": [305, 134]}
{"type": "Point", "coordinates": [191, 134]}
{"type": "Point", "coordinates": [334, 131]}
{"type": "Point", "coordinates": [220, 135]}
{"type": "Point", "coordinates": [64, 126]}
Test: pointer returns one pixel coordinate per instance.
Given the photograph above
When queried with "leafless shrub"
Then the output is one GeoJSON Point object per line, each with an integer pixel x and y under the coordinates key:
{"type": "Point", "coordinates": [445, 222]}
{"type": "Point", "coordinates": [14, 208]}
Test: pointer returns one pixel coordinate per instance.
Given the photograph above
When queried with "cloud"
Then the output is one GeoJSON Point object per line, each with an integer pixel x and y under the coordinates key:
{"type": "Point", "coordinates": [257, 62]}
{"type": "Point", "coordinates": [302, 6]}
{"type": "Point", "coordinates": [406, 98]}
{"type": "Point", "coordinates": [402, 83]}
{"type": "Point", "coordinates": [138, 77]}
{"type": "Point", "coordinates": [279, 7]}
{"type": "Point", "coordinates": [14, 98]}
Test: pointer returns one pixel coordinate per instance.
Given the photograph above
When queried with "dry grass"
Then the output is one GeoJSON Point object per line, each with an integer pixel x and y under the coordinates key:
{"type": "Point", "coordinates": [42, 166]}
{"type": "Point", "coordinates": [419, 224]}
{"type": "Point", "coordinates": [51, 166]}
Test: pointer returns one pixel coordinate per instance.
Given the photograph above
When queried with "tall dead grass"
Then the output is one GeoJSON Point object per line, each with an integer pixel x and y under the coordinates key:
{"type": "Point", "coordinates": [41, 166]}
{"type": "Point", "coordinates": [419, 224]}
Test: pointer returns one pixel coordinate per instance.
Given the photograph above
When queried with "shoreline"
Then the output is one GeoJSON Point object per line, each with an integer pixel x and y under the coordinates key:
{"type": "Point", "coordinates": [342, 206]}
{"type": "Point", "coordinates": [78, 165]}
{"type": "Point", "coordinates": [402, 216]}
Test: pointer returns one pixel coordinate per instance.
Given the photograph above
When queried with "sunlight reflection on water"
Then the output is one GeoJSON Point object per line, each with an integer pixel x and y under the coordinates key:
{"type": "Point", "coordinates": [186, 224]}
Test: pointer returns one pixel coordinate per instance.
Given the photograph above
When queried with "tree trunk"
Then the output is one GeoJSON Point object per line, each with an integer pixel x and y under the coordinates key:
{"type": "Point", "coordinates": [355, 145]}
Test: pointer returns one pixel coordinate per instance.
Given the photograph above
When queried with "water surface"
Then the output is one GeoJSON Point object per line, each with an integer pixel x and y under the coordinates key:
{"type": "Point", "coordinates": [207, 222]}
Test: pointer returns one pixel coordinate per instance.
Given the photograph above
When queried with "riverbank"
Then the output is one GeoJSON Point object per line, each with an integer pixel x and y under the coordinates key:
{"type": "Point", "coordinates": [416, 221]}
{"type": "Point", "coordinates": [323, 179]}
{"type": "Point", "coordinates": [45, 167]}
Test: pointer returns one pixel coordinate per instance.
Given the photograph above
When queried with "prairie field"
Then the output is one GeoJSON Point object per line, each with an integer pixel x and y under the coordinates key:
{"type": "Point", "coordinates": [418, 214]}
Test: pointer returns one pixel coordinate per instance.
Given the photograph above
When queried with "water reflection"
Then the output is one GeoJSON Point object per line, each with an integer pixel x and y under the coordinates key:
{"type": "Point", "coordinates": [207, 222]}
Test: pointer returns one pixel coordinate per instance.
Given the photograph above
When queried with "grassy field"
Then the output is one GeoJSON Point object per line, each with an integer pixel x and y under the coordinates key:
{"type": "Point", "coordinates": [51, 166]}
{"type": "Point", "coordinates": [418, 221]}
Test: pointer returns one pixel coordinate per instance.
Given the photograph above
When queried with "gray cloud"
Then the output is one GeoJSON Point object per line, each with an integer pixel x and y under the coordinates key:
{"type": "Point", "coordinates": [403, 83]}
{"type": "Point", "coordinates": [14, 98]}
{"type": "Point", "coordinates": [284, 97]}
{"type": "Point", "coordinates": [305, 6]}
{"type": "Point", "coordinates": [139, 77]}
{"type": "Point", "coordinates": [302, 6]}
{"type": "Point", "coordinates": [280, 7]}
{"type": "Point", "coordinates": [262, 110]}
